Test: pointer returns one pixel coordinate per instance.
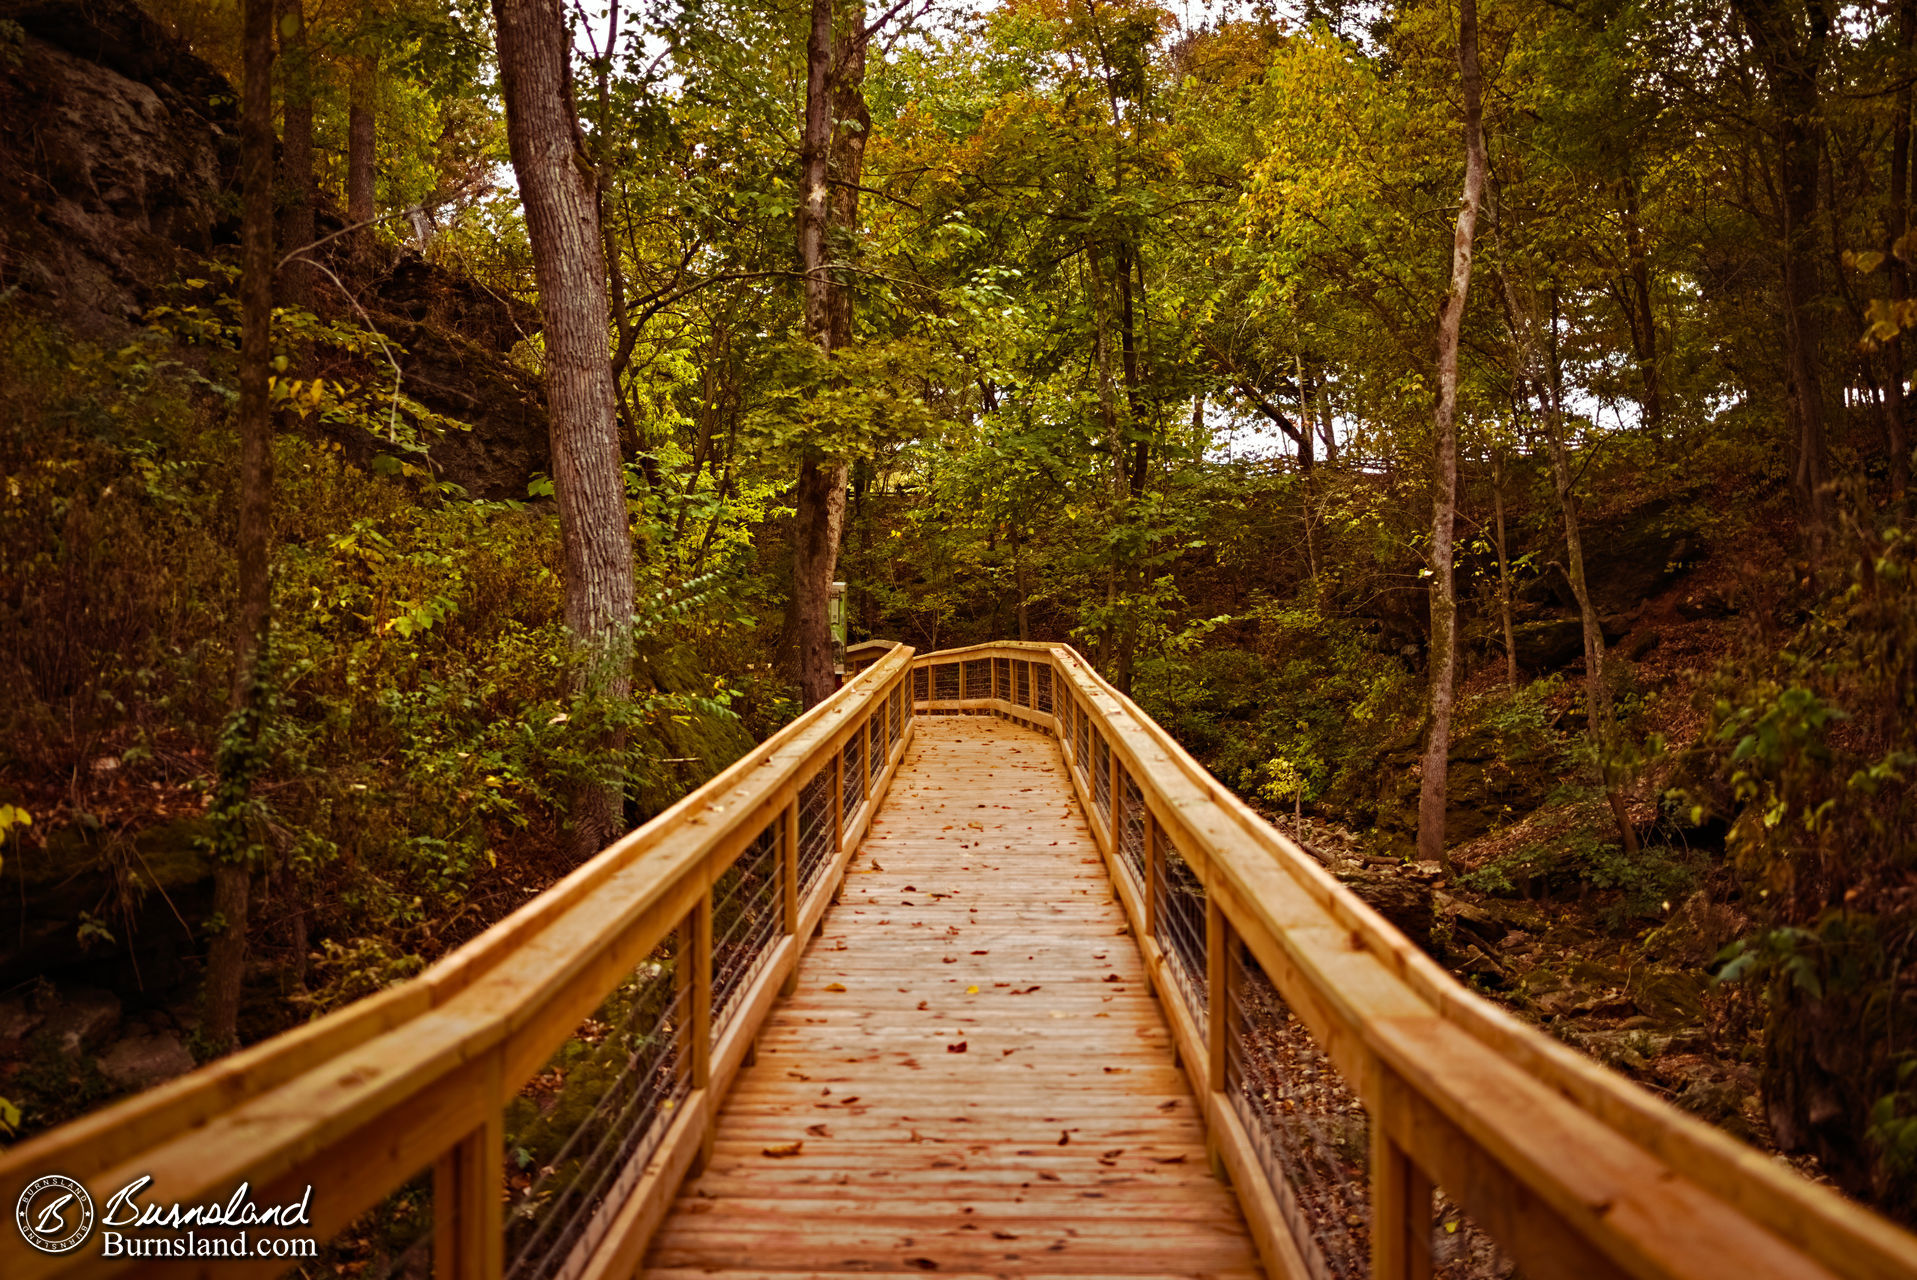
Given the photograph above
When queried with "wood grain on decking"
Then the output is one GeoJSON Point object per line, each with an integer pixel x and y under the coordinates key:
{"type": "Point", "coordinates": [993, 1092]}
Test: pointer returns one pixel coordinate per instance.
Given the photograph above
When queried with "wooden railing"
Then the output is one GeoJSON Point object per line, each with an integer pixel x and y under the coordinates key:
{"type": "Point", "coordinates": [1273, 975]}
{"type": "Point", "coordinates": [638, 982]}
{"type": "Point", "coordinates": [1345, 1077]}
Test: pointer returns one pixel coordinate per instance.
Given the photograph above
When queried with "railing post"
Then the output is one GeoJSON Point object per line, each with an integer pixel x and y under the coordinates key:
{"type": "Point", "coordinates": [1217, 1020]}
{"type": "Point", "coordinates": [701, 958]}
{"type": "Point", "coordinates": [469, 1239]}
{"type": "Point", "coordinates": [1400, 1210]}
{"type": "Point", "coordinates": [790, 849]}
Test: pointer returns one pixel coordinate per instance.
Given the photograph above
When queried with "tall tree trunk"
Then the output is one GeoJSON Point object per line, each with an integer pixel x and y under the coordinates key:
{"type": "Point", "coordinates": [1790, 64]}
{"type": "Point", "coordinates": [562, 221]}
{"type": "Point", "coordinates": [1545, 374]}
{"type": "Point", "coordinates": [834, 89]}
{"type": "Point", "coordinates": [1896, 429]}
{"type": "Point", "coordinates": [1504, 570]}
{"type": "Point", "coordinates": [240, 741]}
{"type": "Point", "coordinates": [1444, 600]}
{"type": "Point", "coordinates": [296, 153]}
{"type": "Point", "coordinates": [361, 98]}
{"type": "Point", "coordinates": [1020, 576]}
{"type": "Point", "coordinates": [1643, 318]}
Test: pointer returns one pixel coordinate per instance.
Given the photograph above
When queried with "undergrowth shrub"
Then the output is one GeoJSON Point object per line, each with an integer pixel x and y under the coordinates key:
{"type": "Point", "coordinates": [425, 737]}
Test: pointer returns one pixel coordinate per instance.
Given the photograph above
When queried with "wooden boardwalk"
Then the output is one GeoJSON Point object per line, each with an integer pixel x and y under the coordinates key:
{"type": "Point", "coordinates": [972, 1077]}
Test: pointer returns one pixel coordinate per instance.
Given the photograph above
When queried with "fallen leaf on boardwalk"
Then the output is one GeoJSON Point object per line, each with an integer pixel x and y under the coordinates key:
{"type": "Point", "coordinates": [1112, 977]}
{"type": "Point", "coordinates": [922, 1004]}
{"type": "Point", "coordinates": [923, 1264]}
{"type": "Point", "coordinates": [788, 1149]}
{"type": "Point", "coordinates": [950, 960]}
{"type": "Point", "coordinates": [1113, 1154]}
{"type": "Point", "coordinates": [1026, 991]}
{"type": "Point", "coordinates": [846, 1102]}
{"type": "Point", "coordinates": [1049, 1177]}
{"type": "Point", "coordinates": [1177, 1159]}
{"type": "Point", "coordinates": [1003, 1235]}
{"type": "Point", "coordinates": [958, 1047]}
{"type": "Point", "coordinates": [835, 986]}
{"type": "Point", "coordinates": [910, 888]}
{"type": "Point", "coordinates": [1007, 1052]}
{"type": "Point", "coordinates": [981, 953]}
{"type": "Point", "coordinates": [1168, 1104]}
{"type": "Point", "coordinates": [1064, 1137]}
{"type": "Point", "coordinates": [971, 991]}
{"type": "Point", "coordinates": [818, 1131]}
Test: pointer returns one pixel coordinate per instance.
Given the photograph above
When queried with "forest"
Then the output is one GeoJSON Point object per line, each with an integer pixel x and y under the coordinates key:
{"type": "Point", "coordinates": [1477, 430]}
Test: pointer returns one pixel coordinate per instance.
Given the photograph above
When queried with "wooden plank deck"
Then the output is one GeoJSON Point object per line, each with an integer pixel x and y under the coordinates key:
{"type": "Point", "coordinates": [981, 1081]}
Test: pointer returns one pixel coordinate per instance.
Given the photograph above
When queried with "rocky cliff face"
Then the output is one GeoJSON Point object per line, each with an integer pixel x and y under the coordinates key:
{"type": "Point", "coordinates": [117, 148]}
{"type": "Point", "coordinates": [118, 163]}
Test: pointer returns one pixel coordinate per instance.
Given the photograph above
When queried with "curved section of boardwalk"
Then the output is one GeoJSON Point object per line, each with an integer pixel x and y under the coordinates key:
{"type": "Point", "coordinates": [972, 1077]}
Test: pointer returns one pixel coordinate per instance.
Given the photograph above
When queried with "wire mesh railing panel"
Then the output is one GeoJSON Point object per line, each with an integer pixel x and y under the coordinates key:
{"type": "Point", "coordinates": [945, 682]}
{"type": "Point", "coordinates": [978, 678]}
{"type": "Point", "coordinates": [1310, 1132]}
{"type": "Point", "coordinates": [1041, 699]}
{"type": "Point", "coordinates": [875, 751]}
{"type": "Point", "coordinates": [1022, 683]}
{"type": "Point", "coordinates": [897, 720]}
{"type": "Point", "coordinates": [815, 828]}
{"type": "Point", "coordinates": [578, 1135]}
{"type": "Point", "coordinates": [748, 905]}
{"type": "Point", "coordinates": [1066, 729]}
{"type": "Point", "coordinates": [1082, 748]}
{"type": "Point", "coordinates": [1131, 827]}
{"type": "Point", "coordinates": [1002, 679]}
{"type": "Point", "coordinates": [1102, 779]}
{"type": "Point", "coordinates": [1178, 899]}
{"type": "Point", "coordinates": [921, 684]}
{"type": "Point", "coordinates": [852, 778]}
{"type": "Point", "coordinates": [393, 1240]}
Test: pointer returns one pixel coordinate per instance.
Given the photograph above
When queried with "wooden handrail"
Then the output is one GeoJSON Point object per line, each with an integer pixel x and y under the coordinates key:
{"type": "Point", "coordinates": [359, 1102]}
{"type": "Point", "coordinates": [1572, 1169]}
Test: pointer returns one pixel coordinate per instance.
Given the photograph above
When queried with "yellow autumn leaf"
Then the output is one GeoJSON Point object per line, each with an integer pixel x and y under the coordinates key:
{"type": "Point", "coordinates": [971, 991]}
{"type": "Point", "coordinates": [835, 986]}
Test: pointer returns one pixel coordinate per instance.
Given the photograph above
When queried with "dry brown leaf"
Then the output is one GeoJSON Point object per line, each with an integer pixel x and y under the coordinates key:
{"type": "Point", "coordinates": [785, 1149]}
{"type": "Point", "coordinates": [835, 986]}
{"type": "Point", "coordinates": [818, 1131]}
{"type": "Point", "coordinates": [958, 1047]}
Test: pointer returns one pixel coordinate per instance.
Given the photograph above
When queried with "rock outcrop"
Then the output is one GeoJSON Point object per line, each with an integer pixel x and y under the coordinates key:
{"type": "Point", "coordinates": [118, 164]}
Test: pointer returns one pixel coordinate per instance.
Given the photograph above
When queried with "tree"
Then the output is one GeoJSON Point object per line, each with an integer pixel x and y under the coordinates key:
{"type": "Point", "coordinates": [1791, 61]}
{"type": "Point", "coordinates": [562, 221]}
{"type": "Point", "coordinates": [831, 162]}
{"type": "Point", "coordinates": [1444, 599]}
{"type": "Point", "coordinates": [241, 740]}
{"type": "Point", "coordinates": [296, 153]}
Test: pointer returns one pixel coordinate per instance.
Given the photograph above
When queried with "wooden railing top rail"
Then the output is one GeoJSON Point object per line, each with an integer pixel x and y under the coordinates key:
{"type": "Point", "coordinates": [364, 1098]}
{"type": "Point", "coordinates": [1573, 1169]}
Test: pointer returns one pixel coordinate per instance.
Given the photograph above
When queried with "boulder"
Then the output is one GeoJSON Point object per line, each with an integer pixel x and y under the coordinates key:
{"type": "Point", "coordinates": [81, 1018]}
{"type": "Point", "coordinates": [144, 1060]}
